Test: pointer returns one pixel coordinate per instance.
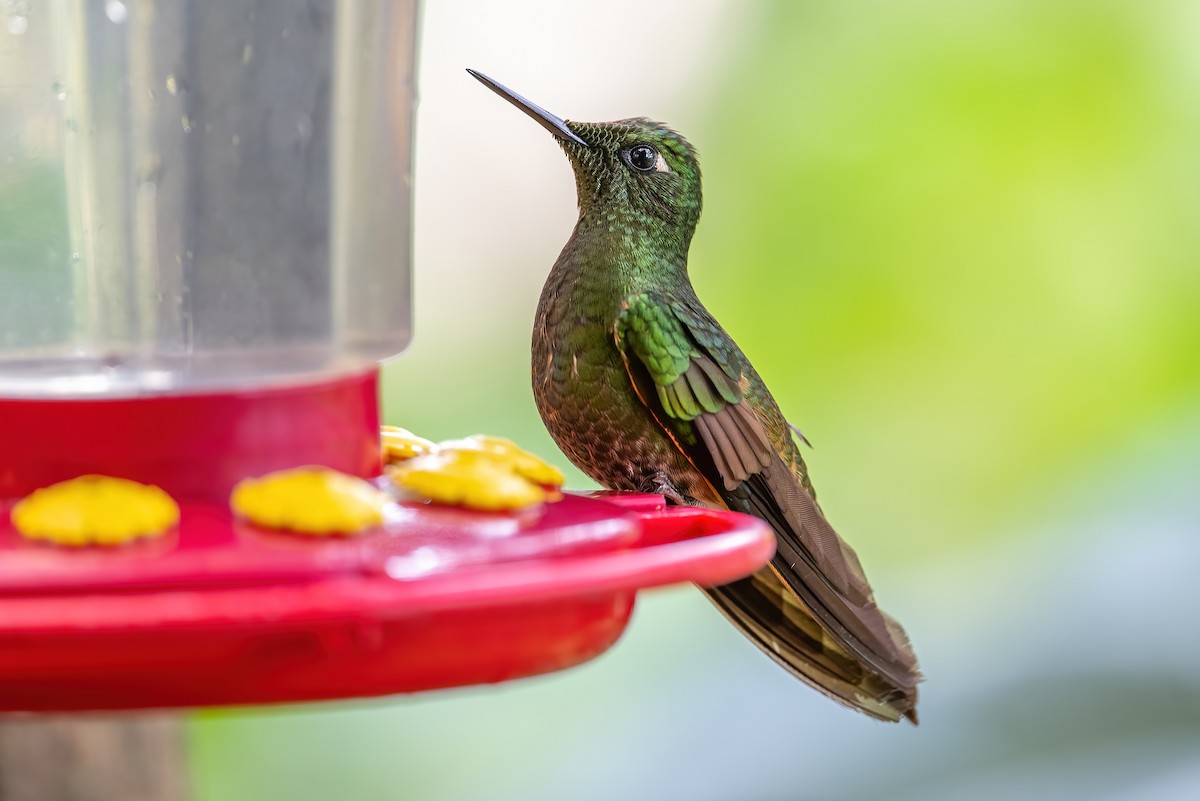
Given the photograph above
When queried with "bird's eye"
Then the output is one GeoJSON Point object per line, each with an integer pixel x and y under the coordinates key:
{"type": "Point", "coordinates": [642, 158]}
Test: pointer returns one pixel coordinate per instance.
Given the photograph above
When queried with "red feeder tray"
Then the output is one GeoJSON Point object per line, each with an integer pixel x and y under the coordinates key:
{"type": "Point", "coordinates": [223, 613]}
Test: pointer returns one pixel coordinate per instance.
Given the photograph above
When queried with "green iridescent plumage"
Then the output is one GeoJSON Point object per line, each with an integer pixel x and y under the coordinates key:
{"type": "Point", "coordinates": [643, 390]}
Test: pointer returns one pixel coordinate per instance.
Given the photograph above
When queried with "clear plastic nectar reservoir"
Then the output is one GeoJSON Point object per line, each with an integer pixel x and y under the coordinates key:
{"type": "Point", "coordinates": [197, 196]}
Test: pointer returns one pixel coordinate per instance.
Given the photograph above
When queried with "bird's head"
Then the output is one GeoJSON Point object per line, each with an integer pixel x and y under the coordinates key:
{"type": "Point", "coordinates": [633, 172]}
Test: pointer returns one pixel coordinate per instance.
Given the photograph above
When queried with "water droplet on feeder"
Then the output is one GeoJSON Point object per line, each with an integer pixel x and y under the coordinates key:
{"type": "Point", "coordinates": [116, 11]}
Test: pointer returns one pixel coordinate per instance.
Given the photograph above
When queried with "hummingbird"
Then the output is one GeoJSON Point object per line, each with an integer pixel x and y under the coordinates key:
{"type": "Point", "coordinates": [643, 390]}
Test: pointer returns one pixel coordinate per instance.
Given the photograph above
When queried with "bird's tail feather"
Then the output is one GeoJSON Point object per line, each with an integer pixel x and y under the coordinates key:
{"type": "Point", "coordinates": [768, 613]}
{"type": "Point", "coordinates": [824, 574]}
{"type": "Point", "coordinates": [812, 609]}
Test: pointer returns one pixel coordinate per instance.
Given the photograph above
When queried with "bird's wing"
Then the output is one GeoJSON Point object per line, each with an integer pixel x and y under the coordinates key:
{"type": "Point", "coordinates": [684, 368]}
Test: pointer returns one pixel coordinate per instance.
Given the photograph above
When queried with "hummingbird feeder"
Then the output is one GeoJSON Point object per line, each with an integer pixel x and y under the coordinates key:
{"type": "Point", "coordinates": [204, 256]}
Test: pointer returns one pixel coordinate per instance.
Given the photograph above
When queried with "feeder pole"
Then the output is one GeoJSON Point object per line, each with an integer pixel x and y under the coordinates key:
{"type": "Point", "coordinates": [100, 757]}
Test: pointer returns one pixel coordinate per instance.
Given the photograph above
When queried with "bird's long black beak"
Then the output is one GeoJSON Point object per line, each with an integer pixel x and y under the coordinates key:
{"type": "Point", "coordinates": [554, 125]}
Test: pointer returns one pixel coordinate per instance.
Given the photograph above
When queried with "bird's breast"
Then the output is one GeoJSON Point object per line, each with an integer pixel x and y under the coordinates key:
{"type": "Point", "coordinates": [586, 400]}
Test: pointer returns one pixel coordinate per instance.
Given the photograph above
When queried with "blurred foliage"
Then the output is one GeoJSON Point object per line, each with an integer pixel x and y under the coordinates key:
{"type": "Point", "coordinates": [32, 213]}
{"type": "Point", "coordinates": [34, 254]}
{"type": "Point", "coordinates": [960, 241]}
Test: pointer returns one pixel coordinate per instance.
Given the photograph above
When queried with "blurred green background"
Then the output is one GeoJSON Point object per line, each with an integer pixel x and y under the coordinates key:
{"type": "Point", "coordinates": [960, 242]}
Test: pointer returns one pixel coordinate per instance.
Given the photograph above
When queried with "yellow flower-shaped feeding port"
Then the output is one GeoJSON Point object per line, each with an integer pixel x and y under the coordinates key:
{"type": "Point", "coordinates": [521, 462]}
{"type": "Point", "coordinates": [400, 444]}
{"type": "Point", "coordinates": [309, 500]}
{"type": "Point", "coordinates": [95, 510]}
{"type": "Point", "coordinates": [474, 479]}
{"type": "Point", "coordinates": [478, 472]}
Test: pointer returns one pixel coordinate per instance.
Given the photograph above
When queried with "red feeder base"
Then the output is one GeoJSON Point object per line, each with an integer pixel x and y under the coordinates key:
{"type": "Point", "coordinates": [223, 613]}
